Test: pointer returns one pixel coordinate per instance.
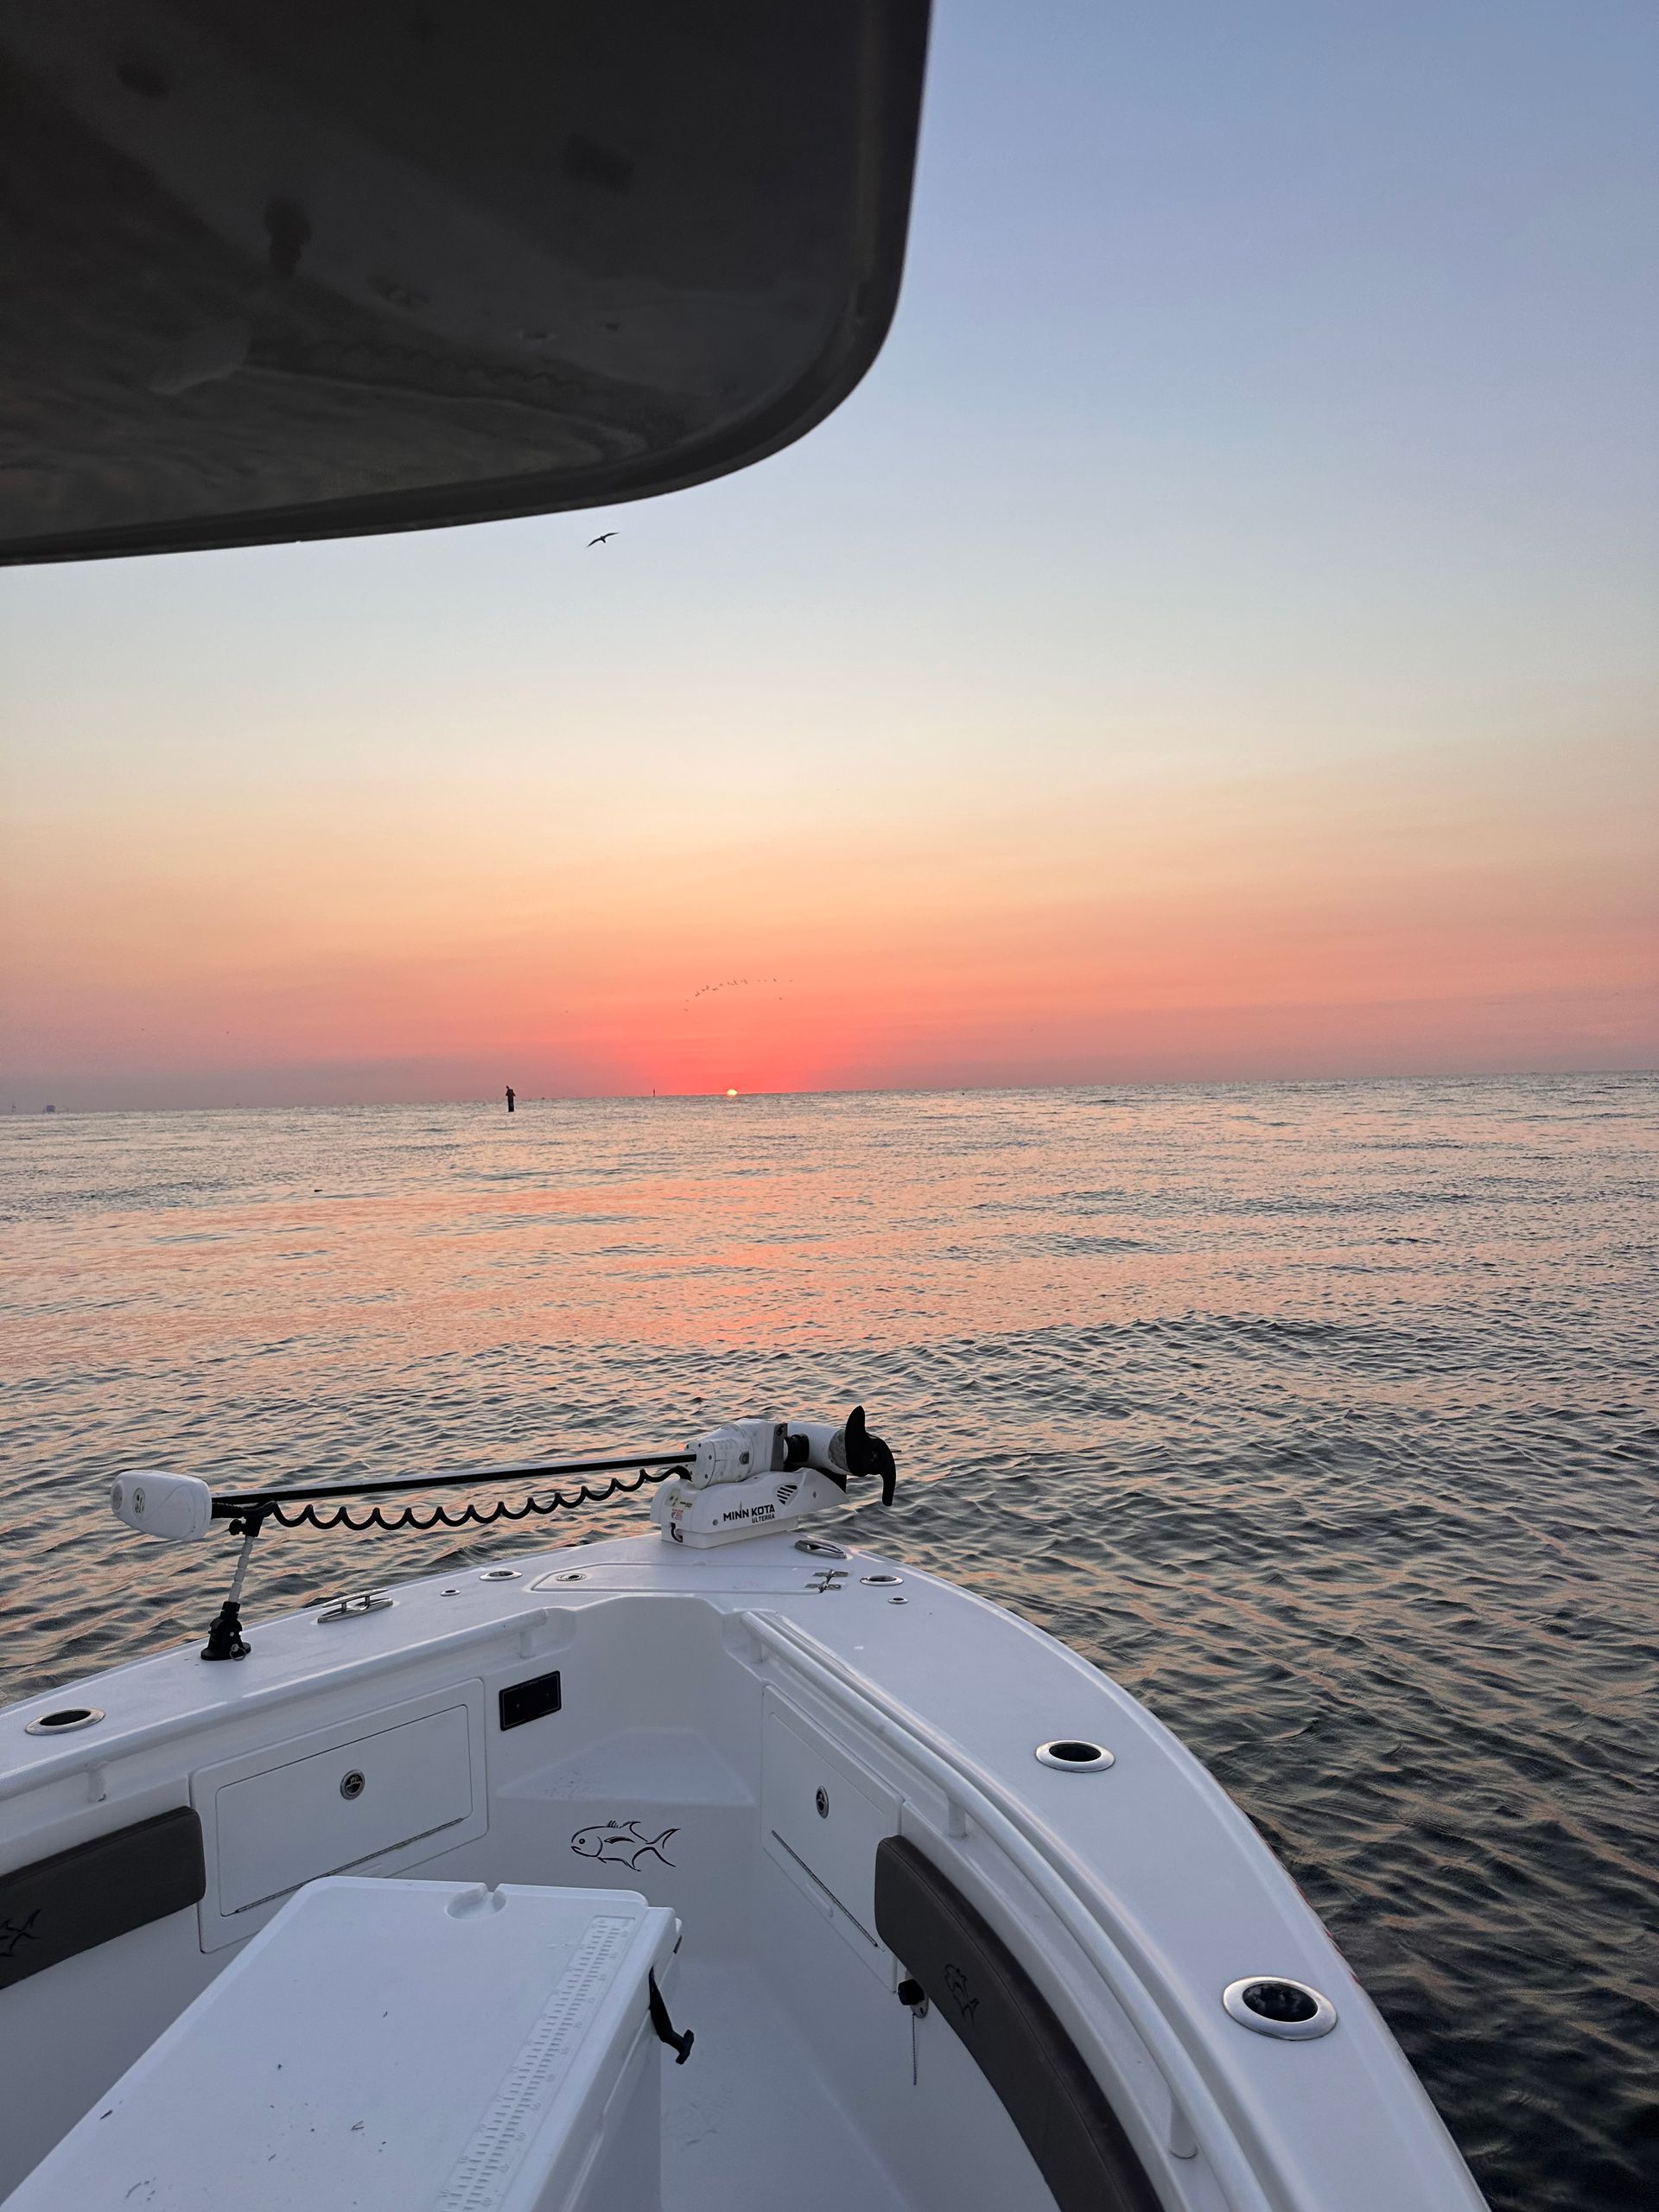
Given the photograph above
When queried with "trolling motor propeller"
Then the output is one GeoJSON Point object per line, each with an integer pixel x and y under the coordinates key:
{"type": "Point", "coordinates": [868, 1455]}
{"type": "Point", "coordinates": [848, 1451]}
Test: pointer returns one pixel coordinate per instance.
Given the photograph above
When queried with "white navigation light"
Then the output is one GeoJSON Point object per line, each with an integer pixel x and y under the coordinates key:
{"type": "Point", "coordinates": [176, 1508]}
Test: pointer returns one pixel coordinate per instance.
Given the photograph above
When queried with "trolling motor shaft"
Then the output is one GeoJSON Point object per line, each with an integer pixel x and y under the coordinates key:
{"type": "Point", "coordinates": [740, 1480]}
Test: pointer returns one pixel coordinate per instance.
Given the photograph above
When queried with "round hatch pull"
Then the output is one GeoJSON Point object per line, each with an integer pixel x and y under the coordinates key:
{"type": "Point", "coordinates": [352, 1785]}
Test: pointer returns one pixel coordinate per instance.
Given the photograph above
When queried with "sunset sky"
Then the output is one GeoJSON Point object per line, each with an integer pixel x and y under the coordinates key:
{"type": "Point", "coordinates": [1220, 637]}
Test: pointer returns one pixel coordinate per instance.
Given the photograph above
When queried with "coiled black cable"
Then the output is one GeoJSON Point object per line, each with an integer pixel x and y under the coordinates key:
{"type": "Point", "coordinates": [310, 1516]}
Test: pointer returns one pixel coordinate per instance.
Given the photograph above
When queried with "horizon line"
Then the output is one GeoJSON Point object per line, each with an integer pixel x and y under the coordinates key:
{"type": "Point", "coordinates": [727, 1096]}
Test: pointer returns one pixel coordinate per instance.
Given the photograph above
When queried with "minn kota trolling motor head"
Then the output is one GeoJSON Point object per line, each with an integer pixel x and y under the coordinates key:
{"type": "Point", "coordinates": [753, 1476]}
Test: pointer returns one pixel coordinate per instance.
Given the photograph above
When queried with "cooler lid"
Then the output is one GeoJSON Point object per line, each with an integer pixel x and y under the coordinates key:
{"type": "Point", "coordinates": [392, 2045]}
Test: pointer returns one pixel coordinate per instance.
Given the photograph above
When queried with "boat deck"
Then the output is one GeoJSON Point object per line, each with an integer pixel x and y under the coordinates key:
{"type": "Point", "coordinates": [752, 2109]}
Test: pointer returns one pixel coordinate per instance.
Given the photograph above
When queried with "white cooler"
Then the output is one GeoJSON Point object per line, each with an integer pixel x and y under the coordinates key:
{"type": "Point", "coordinates": [397, 2047]}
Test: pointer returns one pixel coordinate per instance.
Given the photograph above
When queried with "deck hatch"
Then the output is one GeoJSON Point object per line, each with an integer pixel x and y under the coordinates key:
{"type": "Point", "coordinates": [380, 1794]}
{"type": "Point", "coordinates": [823, 1814]}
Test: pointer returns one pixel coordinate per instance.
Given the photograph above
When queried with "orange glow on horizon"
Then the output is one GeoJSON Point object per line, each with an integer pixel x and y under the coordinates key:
{"type": "Point", "coordinates": [1284, 924]}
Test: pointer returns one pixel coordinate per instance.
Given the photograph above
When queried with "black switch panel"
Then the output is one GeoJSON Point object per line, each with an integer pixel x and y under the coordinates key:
{"type": "Point", "coordinates": [524, 1702]}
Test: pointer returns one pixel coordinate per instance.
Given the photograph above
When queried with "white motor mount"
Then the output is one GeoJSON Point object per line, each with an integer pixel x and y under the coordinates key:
{"type": "Point", "coordinates": [755, 1507]}
{"type": "Point", "coordinates": [751, 1477]}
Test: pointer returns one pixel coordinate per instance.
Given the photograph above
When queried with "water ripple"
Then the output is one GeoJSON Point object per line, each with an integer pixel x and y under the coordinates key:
{"type": "Point", "coordinates": [1323, 1417]}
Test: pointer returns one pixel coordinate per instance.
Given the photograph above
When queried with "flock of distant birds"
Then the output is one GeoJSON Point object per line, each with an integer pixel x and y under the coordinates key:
{"type": "Point", "coordinates": [737, 983]}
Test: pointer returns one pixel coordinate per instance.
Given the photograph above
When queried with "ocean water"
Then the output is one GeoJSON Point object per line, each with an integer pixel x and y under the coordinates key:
{"type": "Point", "coordinates": [1324, 1416]}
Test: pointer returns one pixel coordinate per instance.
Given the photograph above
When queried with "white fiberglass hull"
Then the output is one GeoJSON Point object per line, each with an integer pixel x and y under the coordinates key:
{"type": "Point", "coordinates": [759, 1739]}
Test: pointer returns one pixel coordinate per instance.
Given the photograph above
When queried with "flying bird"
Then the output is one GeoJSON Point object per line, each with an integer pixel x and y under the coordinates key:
{"type": "Point", "coordinates": [604, 536]}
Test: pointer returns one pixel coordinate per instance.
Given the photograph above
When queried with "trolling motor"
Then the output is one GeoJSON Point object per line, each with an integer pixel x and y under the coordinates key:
{"type": "Point", "coordinates": [742, 1480]}
{"type": "Point", "coordinates": [753, 1475]}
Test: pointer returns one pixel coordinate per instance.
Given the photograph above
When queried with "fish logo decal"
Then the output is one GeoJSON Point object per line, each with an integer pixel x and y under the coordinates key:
{"type": "Point", "coordinates": [956, 1982]}
{"type": "Point", "coordinates": [13, 1933]}
{"type": "Point", "coordinates": [620, 1843]}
